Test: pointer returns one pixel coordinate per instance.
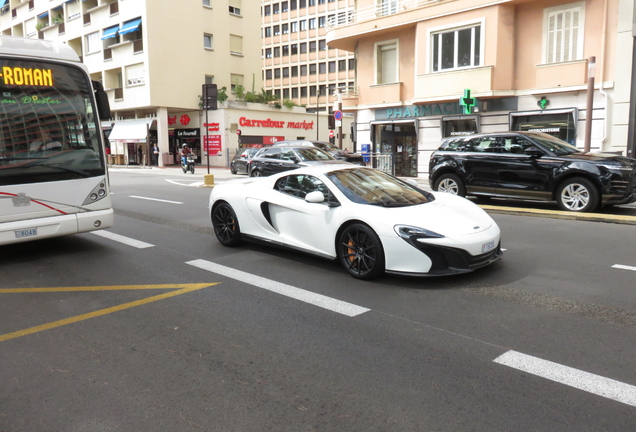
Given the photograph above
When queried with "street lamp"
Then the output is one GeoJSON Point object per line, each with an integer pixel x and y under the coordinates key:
{"type": "Point", "coordinates": [589, 107]}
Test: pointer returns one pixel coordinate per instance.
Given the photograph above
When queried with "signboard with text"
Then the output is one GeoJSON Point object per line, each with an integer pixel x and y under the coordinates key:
{"type": "Point", "coordinates": [212, 144]}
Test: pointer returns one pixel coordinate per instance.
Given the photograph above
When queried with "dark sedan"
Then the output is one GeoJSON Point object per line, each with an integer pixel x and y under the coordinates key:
{"type": "Point", "coordinates": [532, 166]}
{"type": "Point", "coordinates": [334, 151]}
{"type": "Point", "coordinates": [273, 160]}
{"type": "Point", "coordinates": [241, 159]}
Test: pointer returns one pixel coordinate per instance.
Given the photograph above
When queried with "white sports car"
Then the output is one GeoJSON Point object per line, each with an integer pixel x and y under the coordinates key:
{"type": "Point", "coordinates": [370, 221]}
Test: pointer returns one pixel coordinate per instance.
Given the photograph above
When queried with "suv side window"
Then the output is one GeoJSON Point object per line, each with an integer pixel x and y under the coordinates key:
{"type": "Point", "coordinates": [482, 145]}
{"type": "Point", "coordinates": [514, 145]}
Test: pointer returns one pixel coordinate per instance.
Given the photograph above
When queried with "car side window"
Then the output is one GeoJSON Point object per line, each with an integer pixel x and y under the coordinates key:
{"type": "Point", "coordinates": [300, 185]}
{"type": "Point", "coordinates": [272, 153]}
{"type": "Point", "coordinates": [287, 155]}
{"type": "Point", "coordinates": [514, 145]}
{"type": "Point", "coordinates": [481, 145]}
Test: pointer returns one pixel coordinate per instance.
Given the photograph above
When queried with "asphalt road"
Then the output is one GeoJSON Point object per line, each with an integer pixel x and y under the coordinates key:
{"type": "Point", "coordinates": [163, 329]}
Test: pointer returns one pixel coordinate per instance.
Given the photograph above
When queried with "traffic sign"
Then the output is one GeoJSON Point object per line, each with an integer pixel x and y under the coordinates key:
{"type": "Point", "coordinates": [238, 132]}
{"type": "Point", "coordinates": [330, 134]}
{"type": "Point", "coordinates": [337, 115]}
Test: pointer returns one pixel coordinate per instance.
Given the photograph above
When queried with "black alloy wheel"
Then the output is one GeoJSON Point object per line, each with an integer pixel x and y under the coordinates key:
{"type": "Point", "coordinates": [450, 183]}
{"type": "Point", "coordinates": [577, 194]}
{"type": "Point", "coordinates": [232, 170]}
{"type": "Point", "coordinates": [360, 252]}
{"type": "Point", "coordinates": [256, 173]}
{"type": "Point", "coordinates": [226, 225]}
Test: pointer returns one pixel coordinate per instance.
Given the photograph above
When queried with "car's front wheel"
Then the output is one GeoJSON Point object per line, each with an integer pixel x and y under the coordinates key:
{"type": "Point", "coordinates": [255, 173]}
{"type": "Point", "coordinates": [360, 252]}
{"type": "Point", "coordinates": [578, 194]}
{"type": "Point", "coordinates": [226, 225]}
{"type": "Point", "coordinates": [450, 183]}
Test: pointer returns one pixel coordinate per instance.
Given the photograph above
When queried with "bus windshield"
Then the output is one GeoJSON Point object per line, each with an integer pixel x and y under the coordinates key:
{"type": "Point", "coordinates": [48, 124]}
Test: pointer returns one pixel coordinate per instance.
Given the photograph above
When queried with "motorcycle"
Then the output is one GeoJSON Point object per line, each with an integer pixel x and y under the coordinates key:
{"type": "Point", "coordinates": [189, 166]}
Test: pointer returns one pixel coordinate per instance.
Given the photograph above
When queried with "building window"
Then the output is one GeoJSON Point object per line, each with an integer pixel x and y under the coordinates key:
{"type": "Point", "coordinates": [322, 45]}
{"type": "Point", "coordinates": [285, 72]}
{"type": "Point", "coordinates": [294, 49]}
{"type": "Point", "coordinates": [563, 33]}
{"type": "Point", "coordinates": [322, 21]}
{"type": "Point", "coordinates": [294, 93]}
{"type": "Point", "coordinates": [312, 2]}
{"type": "Point", "coordinates": [293, 4]}
{"type": "Point", "coordinates": [276, 52]}
{"type": "Point", "coordinates": [352, 64]}
{"type": "Point", "coordinates": [312, 23]}
{"type": "Point", "coordinates": [303, 70]}
{"type": "Point", "coordinates": [234, 10]}
{"type": "Point", "coordinates": [312, 69]}
{"type": "Point", "coordinates": [268, 32]}
{"type": "Point", "coordinates": [277, 93]}
{"type": "Point", "coordinates": [321, 2]}
{"type": "Point", "coordinates": [342, 65]}
{"type": "Point", "coordinates": [285, 28]}
{"type": "Point", "coordinates": [322, 68]}
{"type": "Point", "coordinates": [303, 25]}
{"type": "Point", "coordinates": [303, 48]}
{"type": "Point", "coordinates": [332, 66]}
{"type": "Point", "coordinates": [237, 81]}
{"type": "Point", "coordinates": [268, 53]}
{"type": "Point", "coordinates": [312, 46]}
{"type": "Point", "coordinates": [267, 10]}
{"type": "Point", "coordinates": [276, 30]}
{"type": "Point", "coordinates": [303, 92]}
{"type": "Point", "coordinates": [286, 93]}
{"type": "Point", "coordinates": [207, 41]}
{"type": "Point", "coordinates": [275, 8]}
{"type": "Point", "coordinates": [236, 44]}
{"type": "Point", "coordinates": [322, 90]}
{"type": "Point", "coordinates": [386, 64]}
{"type": "Point", "coordinates": [93, 43]}
{"type": "Point", "coordinates": [457, 48]}
{"type": "Point", "coordinates": [285, 50]}
{"type": "Point", "coordinates": [312, 90]}
{"type": "Point", "coordinates": [294, 27]}
{"type": "Point", "coordinates": [206, 3]}
{"type": "Point", "coordinates": [268, 74]}
{"type": "Point", "coordinates": [294, 71]}
{"type": "Point", "coordinates": [209, 79]}
{"type": "Point", "coordinates": [284, 6]}
{"type": "Point", "coordinates": [277, 73]}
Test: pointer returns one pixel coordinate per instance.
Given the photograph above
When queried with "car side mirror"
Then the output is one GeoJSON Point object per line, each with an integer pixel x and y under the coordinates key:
{"type": "Point", "coordinates": [534, 152]}
{"type": "Point", "coordinates": [295, 160]}
{"type": "Point", "coordinates": [315, 197]}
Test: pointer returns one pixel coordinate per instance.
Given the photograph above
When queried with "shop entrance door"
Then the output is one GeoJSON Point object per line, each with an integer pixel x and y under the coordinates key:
{"type": "Point", "coordinates": [400, 141]}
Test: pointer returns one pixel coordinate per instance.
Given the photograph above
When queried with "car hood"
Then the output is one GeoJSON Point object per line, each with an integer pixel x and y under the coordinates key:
{"type": "Point", "coordinates": [449, 215]}
{"type": "Point", "coordinates": [602, 158]}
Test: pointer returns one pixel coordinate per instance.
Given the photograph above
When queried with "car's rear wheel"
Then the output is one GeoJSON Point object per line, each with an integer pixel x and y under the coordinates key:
{"type": "Point", "coordinates": [578, 194]}
{"type": "Point", "coordinates": [232, 170]}
{"type": "Point", "coordinates": [360, 252]}
{"type": "Point", "coordinates": [450, 183]}
{"type": "Point", "coordinates": [255, 173]}
{"type": "Point", "coordinates": [226, 225]}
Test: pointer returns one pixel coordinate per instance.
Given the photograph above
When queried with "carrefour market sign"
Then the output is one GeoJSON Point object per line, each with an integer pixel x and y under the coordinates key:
{"type": "Point", "coordinates": [413, 111]}
{"type": "Point", "coordinates": [269, 123]}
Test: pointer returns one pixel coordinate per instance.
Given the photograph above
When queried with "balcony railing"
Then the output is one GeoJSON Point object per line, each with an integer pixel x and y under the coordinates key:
{"type": "Point", "coordinates": [381, 9]}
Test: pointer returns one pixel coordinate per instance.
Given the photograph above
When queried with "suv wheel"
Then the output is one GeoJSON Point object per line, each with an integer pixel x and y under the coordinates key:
{"type": "Point", "coordinates": [577, 194]}
{"type": "Point", "coordinates": [450, 183]}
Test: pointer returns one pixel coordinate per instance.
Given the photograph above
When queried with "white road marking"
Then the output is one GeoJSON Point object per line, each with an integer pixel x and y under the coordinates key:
{"type": "Point", "coordinates": [121, 239]}
{"type": "Point", "coordinates": [155, 199]}
{"type": "Point", "coordinates": [596, 384]}
{"type": "Point", "coordinates": [319, 300]}
{"type": "Point", "coordinates": [180, 182]}
{"type": "Point", "coordinates": [624, 267]}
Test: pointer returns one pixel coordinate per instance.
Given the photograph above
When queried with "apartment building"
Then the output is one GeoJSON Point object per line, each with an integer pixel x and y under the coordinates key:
{"type": "Point", "coordinates": [152, 56]}
{"type": "Point", "coordinates": [298, 64]}
{"type": "Point", "coordinates": [430, 69]}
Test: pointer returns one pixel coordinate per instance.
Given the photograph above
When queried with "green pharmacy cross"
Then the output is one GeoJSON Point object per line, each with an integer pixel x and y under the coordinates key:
{"type": "Point", "coordinates": [467, 102]}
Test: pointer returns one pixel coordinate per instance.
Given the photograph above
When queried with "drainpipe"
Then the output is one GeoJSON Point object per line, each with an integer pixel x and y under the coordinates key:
{"type": "Point", "coordinates": [602, 73]}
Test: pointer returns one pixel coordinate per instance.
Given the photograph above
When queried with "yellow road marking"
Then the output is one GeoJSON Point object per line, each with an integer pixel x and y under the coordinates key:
{"type": "Point", "coordinates": [185, 288]}
{"type": "Point", "coordinates": [102, 288]}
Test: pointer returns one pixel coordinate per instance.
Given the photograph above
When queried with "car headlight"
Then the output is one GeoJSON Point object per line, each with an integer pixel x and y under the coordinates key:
{"type": "Point", "coordinates": [407, 232]}
{"type": "Point", "coordinates": [612, 167]}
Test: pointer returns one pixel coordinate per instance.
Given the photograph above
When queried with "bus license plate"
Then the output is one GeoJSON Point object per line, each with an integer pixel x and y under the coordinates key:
{"type": "Point", "coordinates": [487, 247]}
{"type": "Point", "coordinates": [26, 233]}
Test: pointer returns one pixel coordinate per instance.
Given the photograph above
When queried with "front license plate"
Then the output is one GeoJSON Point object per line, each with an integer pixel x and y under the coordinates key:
{"type": "Point", "coordinates": [487, 247]}
{"type": "Point", "coordinates": [26, 233]}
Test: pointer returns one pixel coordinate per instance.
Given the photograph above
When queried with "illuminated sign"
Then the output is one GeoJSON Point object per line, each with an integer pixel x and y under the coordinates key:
{"type": "Point", "coordinates": [185, 119]}
{"type": "Point", "coordinates": [27, 76]}
{"type": "Point", "coordinates": [269, 123]}
{"type": "Point", "coordinates": [467, 102]}
{"type": "Point", "coordinates": [543, 103]}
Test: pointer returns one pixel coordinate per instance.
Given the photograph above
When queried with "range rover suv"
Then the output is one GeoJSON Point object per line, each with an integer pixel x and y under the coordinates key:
{"type": "Point", "coordinates": [532, 166]}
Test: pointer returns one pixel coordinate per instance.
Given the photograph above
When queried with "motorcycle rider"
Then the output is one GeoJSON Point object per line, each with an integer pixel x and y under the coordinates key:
{"type": "Point", "coordinates": [185, 152]}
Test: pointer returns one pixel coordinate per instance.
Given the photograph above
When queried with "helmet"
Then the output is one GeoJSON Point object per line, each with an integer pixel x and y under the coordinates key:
{"type": "Point", "coordinates": [184, 145]}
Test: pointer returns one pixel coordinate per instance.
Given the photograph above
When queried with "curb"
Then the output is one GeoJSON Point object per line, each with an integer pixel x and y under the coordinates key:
{"type": "Point", "coordinates": [557, 214]}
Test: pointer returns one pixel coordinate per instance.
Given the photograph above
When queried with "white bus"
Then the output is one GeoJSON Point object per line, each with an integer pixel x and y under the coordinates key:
{"type": "Point", "coordinates": [53, 172]}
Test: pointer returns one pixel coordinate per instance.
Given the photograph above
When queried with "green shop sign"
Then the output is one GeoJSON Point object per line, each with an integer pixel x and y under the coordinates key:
{"type": "Point", "coordinates": [413, 111]}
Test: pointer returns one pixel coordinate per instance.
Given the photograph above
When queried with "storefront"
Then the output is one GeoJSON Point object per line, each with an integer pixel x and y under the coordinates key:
{"type": "Point", "coordinates": [129, 141]}
{"type": "Point", "coordinates": [395, 147]}
{"type": "Point", "coordinates": [191, 137]}
{"type": "Point", "coordinates": [558, 123]}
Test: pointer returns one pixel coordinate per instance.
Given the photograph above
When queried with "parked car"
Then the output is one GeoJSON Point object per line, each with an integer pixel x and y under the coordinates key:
{"type": "Point", "coordinates": [273, 160]}
{"type": "Point", "coordinates": [369, 221]}
{"type": "Point", "coordinates": [240, 160]}
{"type": "Point", "coordinates": [329, 148]}
{"type": "Point", "coordinates": [532, 166]}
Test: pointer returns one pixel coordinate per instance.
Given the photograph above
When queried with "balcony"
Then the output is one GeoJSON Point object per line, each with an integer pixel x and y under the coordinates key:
{"type": "Point", "coordinates": [566, 74]}
{"type": "Point", "coordinates": [382, 94]}
{"type": "Point", "coordinates": [439, 86]}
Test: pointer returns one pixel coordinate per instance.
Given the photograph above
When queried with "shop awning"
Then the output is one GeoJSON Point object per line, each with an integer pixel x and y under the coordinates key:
{"type": "Point", "coordinates": [130, 130]}
{"type": "Point", "coordinates": [43, 15]}
{"type": "Point", "coordinates": [130, 26]}
{"type": "Point", "coordinates": [110, 32]}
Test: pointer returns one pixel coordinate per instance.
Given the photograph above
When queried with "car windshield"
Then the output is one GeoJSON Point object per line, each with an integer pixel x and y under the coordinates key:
{"type": "Point", "coordinates": [554, 145]}
{"type": "Point", "coordinates": [312, 154]}
{"type": "Point", "coordinates": [370, 186]}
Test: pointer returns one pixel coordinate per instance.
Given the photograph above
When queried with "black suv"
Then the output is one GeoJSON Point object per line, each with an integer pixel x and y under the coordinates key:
{"type": "Point", "coordinates": [334, 151]}
{"type": "Point", "coordinates": [532, 166]}
{"type": "Point", "coordinates": [273, 160]}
